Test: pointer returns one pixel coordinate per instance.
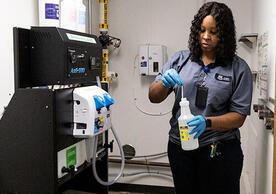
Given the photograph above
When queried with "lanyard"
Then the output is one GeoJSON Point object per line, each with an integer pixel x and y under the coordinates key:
{"type": "Point", "coordinates": [206, 69]}
{"type": "Point", "coordinates": [204, 79]}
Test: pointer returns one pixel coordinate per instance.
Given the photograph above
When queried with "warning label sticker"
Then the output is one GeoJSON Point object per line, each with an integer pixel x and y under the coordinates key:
{"type": "Point", "coordinates": [184, 133]}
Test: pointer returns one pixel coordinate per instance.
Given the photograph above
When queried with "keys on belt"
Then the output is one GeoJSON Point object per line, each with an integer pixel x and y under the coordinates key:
{"type": "Point", "coordinates": [215, 149]}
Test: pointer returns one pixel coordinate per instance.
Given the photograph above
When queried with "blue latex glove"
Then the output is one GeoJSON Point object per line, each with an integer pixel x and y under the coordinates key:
{"type": "Point", "coordinates": [199, 123]}
{"type": "Point", "coordinates": [170, 78]}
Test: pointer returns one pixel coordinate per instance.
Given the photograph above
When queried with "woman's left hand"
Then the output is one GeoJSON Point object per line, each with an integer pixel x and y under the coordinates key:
{"type": "Point", "coordinates": [199, 123]}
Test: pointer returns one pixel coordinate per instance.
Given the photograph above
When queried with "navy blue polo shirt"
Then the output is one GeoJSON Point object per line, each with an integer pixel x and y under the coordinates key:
{"type": "Point", "coordinates": [229, 90]}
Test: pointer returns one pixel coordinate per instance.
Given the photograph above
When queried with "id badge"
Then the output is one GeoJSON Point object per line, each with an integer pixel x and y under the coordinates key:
{"type": "Point", "coordinates": [201, 96]}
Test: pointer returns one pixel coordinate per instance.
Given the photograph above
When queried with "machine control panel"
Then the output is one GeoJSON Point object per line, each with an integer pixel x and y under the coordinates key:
{"type": "Point", "coordinates": [77, 61]}
{"type": "Point", "coordinates": [61, 57]}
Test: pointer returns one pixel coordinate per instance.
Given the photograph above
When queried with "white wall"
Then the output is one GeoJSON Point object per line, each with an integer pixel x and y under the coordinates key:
{"type": "Point", "coordinates": [16, 13]}
{"type": "Point", "coordinates": [264, 21]}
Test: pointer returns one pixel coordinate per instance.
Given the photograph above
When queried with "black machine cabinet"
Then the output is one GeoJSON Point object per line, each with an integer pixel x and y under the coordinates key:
{"type": "Point", "coordinates": [56, 56]}
{"type": "Point", "coordinates": [38, 122]}
{"type": "Point", "coordinates": [31, 132]}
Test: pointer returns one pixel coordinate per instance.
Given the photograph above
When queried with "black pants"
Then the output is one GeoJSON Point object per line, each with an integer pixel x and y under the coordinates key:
{"type": "Point", "coordinates": [195, 172]}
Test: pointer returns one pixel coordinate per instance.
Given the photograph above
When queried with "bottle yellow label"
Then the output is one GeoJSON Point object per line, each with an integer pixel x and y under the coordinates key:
{"type": "Point", "coordinates": [184, 133]}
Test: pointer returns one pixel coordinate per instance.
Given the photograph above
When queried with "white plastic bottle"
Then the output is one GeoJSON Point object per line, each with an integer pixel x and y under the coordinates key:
{"type": "Point", "coordinates": [81, 16]}
{"type": "Point", "coordinates": [187, 141]}
{"type": "Point", "coordinates": [73, 15]}
{"type": "Point", "coordinates": [68, 14]}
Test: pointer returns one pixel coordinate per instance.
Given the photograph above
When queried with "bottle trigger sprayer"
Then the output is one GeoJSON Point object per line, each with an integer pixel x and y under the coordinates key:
{"type": "Point", "coordinates": [187, 140]}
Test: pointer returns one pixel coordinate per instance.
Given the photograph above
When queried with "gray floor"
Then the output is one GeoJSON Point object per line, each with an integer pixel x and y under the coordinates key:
{"type": "Point", "coordinates": [111, 192]}
{"type": "Point", "coordinates": [122, 193]}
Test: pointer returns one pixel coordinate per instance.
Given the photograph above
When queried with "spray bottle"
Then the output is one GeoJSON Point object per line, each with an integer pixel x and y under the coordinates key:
{"type": "Point", "coordinates": [187, 141]}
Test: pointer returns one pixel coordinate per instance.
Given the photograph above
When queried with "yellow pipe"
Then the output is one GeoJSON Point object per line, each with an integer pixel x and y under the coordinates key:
{"type": "Point", "coordinates": [103, 16]}
{"type": "Point", "coordinates": [105, 65]}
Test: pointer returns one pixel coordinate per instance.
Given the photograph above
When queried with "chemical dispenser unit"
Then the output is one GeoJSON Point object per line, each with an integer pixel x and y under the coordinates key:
{"type": "Point", "coordinates": [57, 121]}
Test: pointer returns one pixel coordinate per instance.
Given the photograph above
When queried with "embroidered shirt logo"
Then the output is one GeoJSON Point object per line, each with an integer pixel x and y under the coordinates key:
{"type": "Point", "coordinates": [223, 78]}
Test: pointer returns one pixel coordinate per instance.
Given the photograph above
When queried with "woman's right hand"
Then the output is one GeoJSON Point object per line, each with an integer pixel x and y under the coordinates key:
{"type": "Point", "coordinates": [170, 78]}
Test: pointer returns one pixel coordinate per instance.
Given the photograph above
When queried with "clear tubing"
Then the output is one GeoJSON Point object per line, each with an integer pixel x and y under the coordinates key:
{"type": "Point", "coordinates": [94, 161]}
{"type": "Point", "coordinates": [98, 82]}
{"type": "Point", "coordinates": [182, 88]}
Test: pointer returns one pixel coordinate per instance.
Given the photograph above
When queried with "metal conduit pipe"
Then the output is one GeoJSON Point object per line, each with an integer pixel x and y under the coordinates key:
{"type": "Point", "coordinates": [139, 162]}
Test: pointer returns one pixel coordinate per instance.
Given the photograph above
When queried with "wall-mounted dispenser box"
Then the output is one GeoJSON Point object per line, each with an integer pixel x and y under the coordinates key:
{"type": "Point", "coordinates": [151, 58]}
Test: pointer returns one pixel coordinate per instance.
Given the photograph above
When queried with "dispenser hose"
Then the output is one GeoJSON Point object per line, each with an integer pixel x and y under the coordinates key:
{"type": "Point", "coordinates": [94, 161]}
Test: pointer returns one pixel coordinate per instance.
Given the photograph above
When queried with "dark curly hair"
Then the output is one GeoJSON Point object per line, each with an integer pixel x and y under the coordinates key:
{"type": "Point", "coordinates": [226, 47]}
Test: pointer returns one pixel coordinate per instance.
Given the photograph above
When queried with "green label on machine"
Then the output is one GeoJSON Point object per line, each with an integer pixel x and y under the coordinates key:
{"type": "Point", "coordinates": [71, 156]}
{"type": "Point", "coordinates": [80, 38]}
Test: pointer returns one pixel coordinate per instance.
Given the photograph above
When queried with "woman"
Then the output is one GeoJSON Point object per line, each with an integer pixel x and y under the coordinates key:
{"type": "Point", "coordinates": [218, 85]}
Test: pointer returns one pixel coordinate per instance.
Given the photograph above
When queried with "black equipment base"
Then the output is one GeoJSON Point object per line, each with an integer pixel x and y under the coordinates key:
{"type": "Point", "coordinates": [30, 137]}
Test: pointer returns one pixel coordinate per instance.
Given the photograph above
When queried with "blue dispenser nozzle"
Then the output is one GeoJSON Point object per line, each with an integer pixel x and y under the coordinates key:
{"type": "Point", "coordinates": [99, 102]}
{"type": "Point", "coordinates": [108, 100]}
